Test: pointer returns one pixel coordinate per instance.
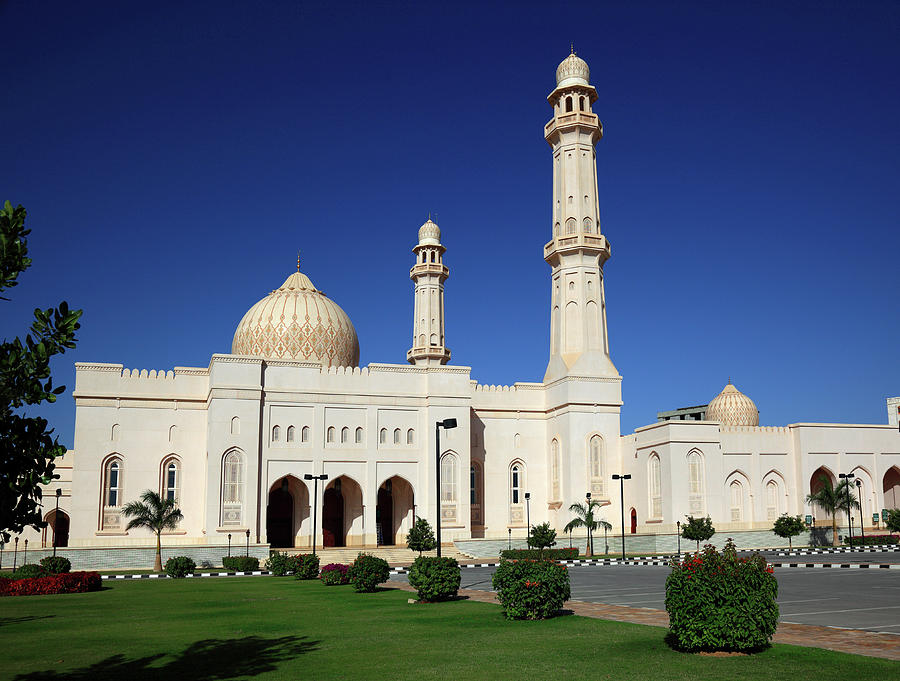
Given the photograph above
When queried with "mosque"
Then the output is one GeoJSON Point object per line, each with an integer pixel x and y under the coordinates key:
{"type": "Point", "coordinates": [289, 426]}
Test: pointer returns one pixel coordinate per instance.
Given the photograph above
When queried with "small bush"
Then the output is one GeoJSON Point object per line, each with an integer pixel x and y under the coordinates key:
{"type": "Point", "coordinates": [241, 563]}
{"type": "Point", "coordinates": [435, 579]}
{"type": "Point", "coordinates": [281, 563]}
{"type": "Point", "coordinates": [531, 589]}
{"type": "Point", "coordinates": [56, 565]}
{"type": "Point", "coordinates": [64, 583]}
{"type": "Point", "coordinates": [718, 601]}
{"type": "Point", "coordinates": [420, 537]}
{"type": "Point", "coordinates": [307, 567]}
{"type": "Point", "coordinates": [542, 537]}
{"type": "Point", "coordinates": [180, 566]}
{"type": "Point", "coordinates": [367, 572]}
{"type": "Point", "coordinates": [334, 574]}
{"type": "Point", "coordinates": [535, 554]}
{"type": "Point", "coordinates": [874, 540]}
{"type": "Point", "coordinates": [29, 571]}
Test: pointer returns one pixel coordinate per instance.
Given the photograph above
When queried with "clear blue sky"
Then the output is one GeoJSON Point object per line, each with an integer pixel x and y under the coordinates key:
{"type": "Point", "coordinates": [174, 156]}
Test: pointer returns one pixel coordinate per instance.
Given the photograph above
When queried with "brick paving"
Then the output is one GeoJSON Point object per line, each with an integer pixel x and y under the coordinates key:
{"type": "Point", "coordinates": [851, 641]}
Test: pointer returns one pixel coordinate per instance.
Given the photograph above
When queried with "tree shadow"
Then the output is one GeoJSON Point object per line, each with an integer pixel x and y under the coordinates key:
{"type": "Point", "coordinates": [672, 641]}
{"type": "Point", "coordinates": [15, 620]}
{"type": "Point", "coordinates": [207, 660]}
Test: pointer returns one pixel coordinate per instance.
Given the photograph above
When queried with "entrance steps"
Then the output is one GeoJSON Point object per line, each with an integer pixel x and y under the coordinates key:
{"type": "Point", "coordinates": [394, 555]}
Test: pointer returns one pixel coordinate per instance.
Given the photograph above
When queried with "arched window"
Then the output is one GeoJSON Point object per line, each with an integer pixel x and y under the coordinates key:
{"type": "Point", "coordinates": [114, 432]}
{"type": "Point", "coordinates": [113, 489]}
{"type": "Point", "coordinates": [516, 482]}
{"type": "Point", "coordinates": [568, 104]}
{"type": "Point", "coordinates": [581, 103]}
{"type": "Point", "coordinates": [655, 479]}
{"type": "Point", "coordinates": [410, 437]}
{"type": "Point", "coordinates": [554, 470]}
{"type": "Point", "coordinates": [276, 433]}
{"type": "Point", "coordinates": [396, 436]}
{"type": "Point", "coordinates": [598, 477]}
{"type": "Point", "coordinates": [517, 441]}
{"type": "Point", "coordinates": [771, 500]}
{"type": "Point", "coordinates": [235, 426]}
{"type": "Point", "coordinates": [432, 256]}
{"type": "Point", "coordinates": [359, 436]}
{"type": "Point", "coordinates": [329, 434]}
{"type": "Point", "coordinates": [290, 434]}
{"type": "Point", "coordinates": [737, 501]}
{"type": "Point", "coordinates": [555, 229]}
{"type": "Point", "coordinates": [173, 431]}
{"type": "Point", "coordinates": [570, 226]}
{"type": "Point", "coordinates": [588, 225]}
{"type": "Point", "coordinates": [171, 480]}
{"type": "Point", "coordinates": [448, 478]}
{"type": "Point", "coordinates": [304, 434]}
{"type": "Point", "coordinates": [232, 488]}
{"type": "Point", "coordinates": [382, 436]}
{"type": "Point", "coordinates": [695, 482]}
{"type": "Point", "coordinates": [345, 434]}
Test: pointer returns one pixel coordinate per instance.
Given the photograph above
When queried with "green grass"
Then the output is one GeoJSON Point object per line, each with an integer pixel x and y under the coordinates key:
{"type": "Point", "coordinates": [270, 628]}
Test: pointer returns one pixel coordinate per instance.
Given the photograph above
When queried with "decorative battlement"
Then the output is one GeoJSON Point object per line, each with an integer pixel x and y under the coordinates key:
{"type": "Point", "coordinates": [779, 430]}
{"type": "Point", "coordinates": [480, 388]}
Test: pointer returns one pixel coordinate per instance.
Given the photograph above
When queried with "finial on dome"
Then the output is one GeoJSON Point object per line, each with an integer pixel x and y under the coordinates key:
{"type": "Point", "coordinates": [572, 46]}
{"type": "Point", "coordinates": [298, 259]}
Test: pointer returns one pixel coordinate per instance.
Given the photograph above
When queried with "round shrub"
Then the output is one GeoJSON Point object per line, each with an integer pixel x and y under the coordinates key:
{"type": "Point", "coordinates": [29, 571]}
{"type": "Point", "coordinates": [56, 565]}
{"type": "Point", "coordinates": [180, 566]}
{"type": "Point", "coordinates": [281, 563]}
{"type": "Point", "coordinates": [334, 574]}
{"type": "Point", "coordinates": [367, 572]}
{"type": "Point", "coordinates": [719, 601]}
{"type": "Point", "coordinates": [435, 579]}
{"type": "Point", "coordinates": [306, 567]}
{"type": "Point", "coordinates": [531, 589]}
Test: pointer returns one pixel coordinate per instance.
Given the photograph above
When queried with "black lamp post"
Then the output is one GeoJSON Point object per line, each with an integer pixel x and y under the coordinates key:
{"type": "Point", "coordinates": [15, 554]}
{"type": "Point", "coordinates": [56, 519]}
{"type": "Point", "coordinates": [528, 516]}
{"type": "Point", "coordinates": [678, 525]}
{"type": "Point", "coordinates": [509, 540]}
{"type": "Point", "coordinates": [248, 543]}
{"type": "Point", "coordinates": [848, 477]}
{"type": "Point", "coordinates": [447, 424]}
{"type": "Point", "coordinates": [862, 518]}
{"type": "Point", "coordinates": [590, 544]}
{"type": "Point", "coordinates": [622, 479]}
{"type": "Point", "coordinates": [25, 555]}
{"type": "Point", "coordinates": [229, 544]}
{"type": "Point", "coordinates": [315, 479]}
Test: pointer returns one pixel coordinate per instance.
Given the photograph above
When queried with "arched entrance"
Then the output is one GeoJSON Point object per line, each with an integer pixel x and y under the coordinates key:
{"type": "Point", "coordinates": [384, 514]}
{"type": "Point", "coordinates": [816, 482]}
{"type": "Point", "coordinates": [280, 516]}
{"type": "Point", "coordinates": [333, 516]}
{"type": "Point", "coordinates": [891, 488]}
{"type": "Point", "coordinates": [633, 521]}
{"type": "Point", "coordinates": [57, 531]}
{"type": "Point", "coordinates": [394, 510]}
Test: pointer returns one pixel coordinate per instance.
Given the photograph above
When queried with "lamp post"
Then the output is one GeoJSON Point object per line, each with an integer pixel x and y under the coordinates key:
{"type": "Point", "coordinates": [447, 424]}
{"type": "Point", "coordinates": [15, 554]}
{"type": "Point", "coordinates": [25, 555]}
{"type": "Point", "coordinates": [848, 477]}
{"type": "Point", "coordinates": [622, 479]}
{"type": "Point", "coordinates": [248, 543]}
{"type": "Point", "coordinates": [56, 519]}
{"type": "Point", "coordinates": [678, 525]}
{"type": "Point", "coordinates": [528, 516]}
{"type": "Point", "coordinates": [509, 539]}
{"type": "Point", "coordinates": [605, 542]}
{"type": "Point", "coordinates": [229, 544]}
{"type": "Point", "coordinates": [590, 544]}
{"type": "Point", "coordinates": [862, 530]}
{"type": "Point", "coordinates": [315, 479]}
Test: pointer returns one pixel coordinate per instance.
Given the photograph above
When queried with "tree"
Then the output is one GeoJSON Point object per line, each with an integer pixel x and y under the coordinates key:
{"type": "Point", "coordinates": [788, 526]}
{"type": "Point", "coordinates": [892, 519]}
{"type": "Point", "coordinates": [584, 517]}
{"type": "Point", "coordinates": [697, 529]}
{"type": "Point", "coordinates": [542, 537]}
{"type": "Point", "coordinates": [156, 514]}
{"type": "Point", "coordinates": [27, 448]}
{"type": "Point", "coordinates": [421, 536]}
{"type": "Point", "coordinates": [833, 499]}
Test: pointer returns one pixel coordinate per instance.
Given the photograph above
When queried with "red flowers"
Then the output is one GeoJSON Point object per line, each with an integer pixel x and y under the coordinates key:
{"type": "Point", "coordinates": [64, 583]}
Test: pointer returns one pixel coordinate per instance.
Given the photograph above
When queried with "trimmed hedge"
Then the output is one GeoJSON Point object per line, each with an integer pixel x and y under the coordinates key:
{"type": "Point", "coordinates": [180, 566]}
{"type": "Point", "coordinates": [334, 574]}
{"type": "Point", "coordinates": [874, 540]}
{"type": "Point", "coordinates": [435, 579]}
{"type": "Point", "coordinates": [64, 583]}
{"type": "Point", "coordinates": [719, 601]}
{"type": "Point", "coordinates": [29, 571]}
{"type": "Point", "coordinates": [55, 565]}
{"type": "Point", "coordinates": [367, 572]}
{"type": "Point", "coordinates": [534, 554]}
{"type": "Point", "coordinates": [531, 589]}
{"type": "Point", "coordinates": [306, 567]}
{"type": "Point", "coordinates": [241, 563]}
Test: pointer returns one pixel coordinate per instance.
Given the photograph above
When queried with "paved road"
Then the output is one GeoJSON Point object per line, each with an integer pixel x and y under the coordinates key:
{"type": "Point", "coordinates": [857, 599]}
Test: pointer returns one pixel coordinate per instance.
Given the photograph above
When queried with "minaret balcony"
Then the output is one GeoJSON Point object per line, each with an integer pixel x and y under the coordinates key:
{"type": "Point", "coordinates": [422, 268]}
{"type": "Point", "coordinates": [428, 352]}
{"type": "Point", "coordinates": [572, 119]}
{"type": "Point", "coordinates": [578, 242]}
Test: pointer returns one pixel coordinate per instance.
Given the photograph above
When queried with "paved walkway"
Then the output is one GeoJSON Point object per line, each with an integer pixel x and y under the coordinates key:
{"type": "Point", "coordinates": [843, 640]}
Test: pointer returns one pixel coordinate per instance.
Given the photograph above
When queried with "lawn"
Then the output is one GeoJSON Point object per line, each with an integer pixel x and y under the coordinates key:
{"type": "Point", "coordinates": [279, 628]}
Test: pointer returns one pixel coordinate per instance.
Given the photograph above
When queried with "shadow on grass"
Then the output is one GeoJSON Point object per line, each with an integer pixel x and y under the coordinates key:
{"type": "Point", "coordinates": [207, 660]}
{"type": "Point", "coordinates": [672, 641]}
{"type": "Point", "coordinates": [15, 620]}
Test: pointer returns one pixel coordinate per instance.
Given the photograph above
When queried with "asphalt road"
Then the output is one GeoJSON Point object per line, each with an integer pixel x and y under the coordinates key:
{"type": "Point", "coordinates": [850, 598]}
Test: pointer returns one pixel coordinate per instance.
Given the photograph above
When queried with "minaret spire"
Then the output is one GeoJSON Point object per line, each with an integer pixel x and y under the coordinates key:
{"type": "Point", "coordinates": [429, 275]}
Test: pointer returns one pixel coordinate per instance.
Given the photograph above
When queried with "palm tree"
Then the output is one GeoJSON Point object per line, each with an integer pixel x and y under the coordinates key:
{"type": "Point", "coordinates": [832, 499]}
{"type": "Point", "coordinates": [584, 517]}
{"type": "Point", "coordinates": [154, 513]}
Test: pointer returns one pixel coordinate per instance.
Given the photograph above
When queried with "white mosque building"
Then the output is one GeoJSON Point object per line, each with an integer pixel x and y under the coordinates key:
{"type": "Point", "coordinates": [232, 442]}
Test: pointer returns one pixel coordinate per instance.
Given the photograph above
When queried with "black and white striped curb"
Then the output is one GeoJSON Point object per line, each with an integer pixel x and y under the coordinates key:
{"type": "Point", "coordinates": [886, 548]}
{"type": "Point", "coordinates": [255, 573]}
{"type": "Point", "coordinates": [851, 566]}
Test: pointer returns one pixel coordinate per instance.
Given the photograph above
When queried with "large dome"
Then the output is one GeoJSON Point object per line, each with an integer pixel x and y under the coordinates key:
{"type": "Point", "coordinates": [731, 407]}
{"type": "Point", "coordinates": [297, 321]}
{"type": "Point", "coordinates": [572, 70]}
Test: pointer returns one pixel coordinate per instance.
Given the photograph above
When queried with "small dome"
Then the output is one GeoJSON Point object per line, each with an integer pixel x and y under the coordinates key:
{"type": "Point", "coordinates": [297, 321]}
{"type": "Point", "coordinates": [731, 407]}
{"type": "Point", "coordinates": [572, 70]}
{"type": "Point", "coordinates": [429, 234]}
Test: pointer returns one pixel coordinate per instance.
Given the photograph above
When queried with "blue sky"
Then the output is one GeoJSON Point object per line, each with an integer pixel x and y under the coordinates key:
{"type": "Point", "coordinates": [174, 156]}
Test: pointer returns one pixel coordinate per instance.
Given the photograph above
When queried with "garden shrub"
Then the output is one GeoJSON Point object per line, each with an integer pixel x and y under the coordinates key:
{"type": "Point", "coordinates": [531, 589]}
{"type": "Point", "coordinates": [281, 563]}
{"type": "Point", "coordinates": [55, 565]}
{"type": "Point", "coordinates": [306, 567]}
{"type": "Point", "coordinates": [180, 566]}
{"type": "Point", "coordinates": [719, 601]}
{"type": "Point", "coordinates": [334, 574]}
{"type": "Point", "coordinates": [241, 563]}
{"type": "Point", "coordinates": [435, 579]}
{"type": "Point", "coordinates": [874, 540]}
{"type": "Point", "coordinates": [535, 554]}
{"type": "Point", "coordinates": [29, 571]}
{"type": "Point", "coordinates": [367, 572]}
{"type": "Point", "coordinates": [63, 583]}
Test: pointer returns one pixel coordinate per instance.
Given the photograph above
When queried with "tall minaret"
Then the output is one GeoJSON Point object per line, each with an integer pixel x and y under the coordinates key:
{"type": "Point", "coordinates": [579, 345]}
{"type": "Point", "coordinates": [429, 275]}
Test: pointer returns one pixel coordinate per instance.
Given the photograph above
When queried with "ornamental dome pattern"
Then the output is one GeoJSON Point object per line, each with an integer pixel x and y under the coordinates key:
{"type": "Point", "coordinates": [572, 70]}
{"type": "Point", "coordinates": [430, 233]}
{"type": "Point", "coordinates": [297, 321]}
{"type": "Point", "coordinates": [731, 407]}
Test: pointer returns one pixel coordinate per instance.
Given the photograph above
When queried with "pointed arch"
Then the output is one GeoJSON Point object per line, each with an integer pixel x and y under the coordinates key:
{"type": "Point", "coordinates": [890, 487]}
{"type": "Point", "coordinates": [329, 434]}
{"type": "Point", "coordinates": [737, 491]}
{"type": "Point", "coordinates": [235, 425]}
{"type": "Point", "coordinates": [276, 433]}
{"type": "Point", "coordinates": [359, 435]}
{"type": "Point", "coordinates": [290, 434]}
{"type": "Point", "coordinates": [345, 435]}
{"type": "Point", "coordinates": [654, 479]}
{"type": "Point", "coordinates": [173, 432]}
{"type": "Point", "coordinates": [112, 492]}
{"type": "Point", "coordinates": [410, 437]}
{"type": "Point", "coordinates": [517, 478]}
{"type": "Point", "coordinates": [865, 487]}
{"type": "Point", "coordinates": [304, 434]}
{"type": "Point", "coordinates": [774, 488]}
{"type": "Point", "coordinates": [596, 465]}
{"type": "Point", "coordinates": [232, 492]}
{"type": "Point", "coordinates": [554, 470]}
{"type": "Point", "coordinates": [170, 484]}
{"type": "Point", "coordinates": [476, 493]}
{"type": "Point", "coordinates": [114, 432]}
{"type": "Point", "coordinates": [815, 485]}
{"type": "Point", "coordinates": [696, 482]}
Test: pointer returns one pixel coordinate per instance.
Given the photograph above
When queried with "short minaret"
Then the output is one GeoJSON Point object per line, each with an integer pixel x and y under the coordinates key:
{"type": "Point", "coordinates": [429, 275]}
{"type": "Point", "coordinates": [579, 345]}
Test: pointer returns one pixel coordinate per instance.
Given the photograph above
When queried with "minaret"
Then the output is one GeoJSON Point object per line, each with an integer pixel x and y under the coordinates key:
{"type": "Point", "coordinates": [579, 345]}
{"type": "Point", "coordinates": [429, 275]}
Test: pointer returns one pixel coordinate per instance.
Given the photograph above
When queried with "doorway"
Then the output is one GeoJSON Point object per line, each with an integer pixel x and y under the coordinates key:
{"type": "Point", "coordinates": [280, 517]}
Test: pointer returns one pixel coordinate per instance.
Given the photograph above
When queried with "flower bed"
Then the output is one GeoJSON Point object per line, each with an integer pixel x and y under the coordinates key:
{"type": "Point", "coordinates": [63, 583]}
{"type": "Point", "coordinates": [334, 574]}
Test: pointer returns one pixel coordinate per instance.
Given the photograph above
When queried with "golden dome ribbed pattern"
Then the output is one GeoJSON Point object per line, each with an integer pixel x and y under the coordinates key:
{"type": "Point", "coordinates": [731, 407]}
